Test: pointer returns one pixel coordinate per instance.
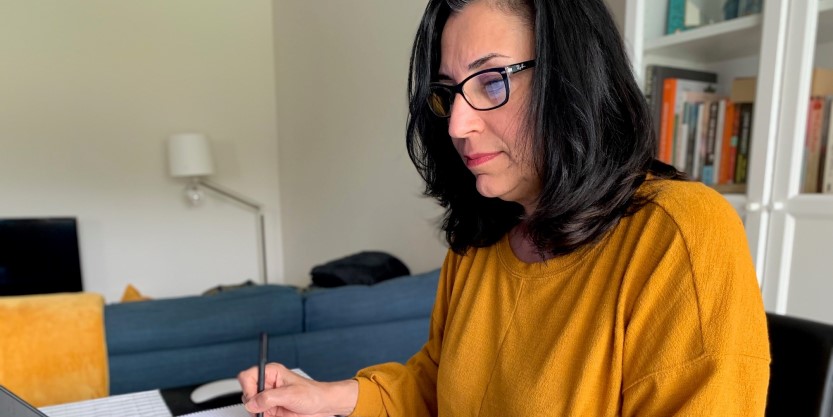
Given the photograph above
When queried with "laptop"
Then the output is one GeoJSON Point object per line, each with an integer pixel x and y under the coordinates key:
{"type": "Point", "coordinates": [12, 405]}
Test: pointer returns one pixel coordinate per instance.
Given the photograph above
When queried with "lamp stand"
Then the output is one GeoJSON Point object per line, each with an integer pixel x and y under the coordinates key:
{"type": "Point", "coordinates": [258, 209]}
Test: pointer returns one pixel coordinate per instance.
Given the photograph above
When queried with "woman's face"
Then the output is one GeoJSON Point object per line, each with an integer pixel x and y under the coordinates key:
{"type": "Point", "coordinates": [489, 142]}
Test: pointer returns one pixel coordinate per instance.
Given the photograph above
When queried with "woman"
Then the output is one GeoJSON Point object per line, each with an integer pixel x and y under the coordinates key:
{"type": "Point", "coordinates": [584, 277]}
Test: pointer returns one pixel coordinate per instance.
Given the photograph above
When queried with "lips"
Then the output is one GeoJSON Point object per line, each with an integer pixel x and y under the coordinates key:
{"type": "Point", "coordinates": [476, 159]}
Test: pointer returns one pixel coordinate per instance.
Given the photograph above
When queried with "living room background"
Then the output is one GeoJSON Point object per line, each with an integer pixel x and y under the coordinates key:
{"type": "Point", "coordinates": [304, 103]}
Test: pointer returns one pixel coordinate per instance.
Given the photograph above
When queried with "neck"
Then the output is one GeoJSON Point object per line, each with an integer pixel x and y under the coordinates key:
{"type": "Point", "coordinates": [522, 245]}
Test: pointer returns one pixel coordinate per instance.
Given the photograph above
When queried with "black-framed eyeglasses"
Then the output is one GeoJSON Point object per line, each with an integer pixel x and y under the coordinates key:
{"type": "Point", "coordinates": [484, 90]}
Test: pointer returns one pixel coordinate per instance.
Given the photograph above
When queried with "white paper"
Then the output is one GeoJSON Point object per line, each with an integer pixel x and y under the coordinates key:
{"type": "Point", "coordinates": [230, 411]}
{"type": "Point", "coordinates": [140, 404]}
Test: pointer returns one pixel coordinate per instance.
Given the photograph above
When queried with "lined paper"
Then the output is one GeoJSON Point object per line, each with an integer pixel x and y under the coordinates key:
{"type": "Point", "coordinates": [140, 404]}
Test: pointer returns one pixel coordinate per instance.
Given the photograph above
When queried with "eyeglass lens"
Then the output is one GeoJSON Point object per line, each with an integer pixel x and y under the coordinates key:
{"type": "Point", "coordinates": [483, 92]}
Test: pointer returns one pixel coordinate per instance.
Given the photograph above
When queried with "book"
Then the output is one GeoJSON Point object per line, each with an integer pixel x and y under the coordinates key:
{"type": "Point", "coordinates": [825, 127]}
{"type": "Point", "coordinates": [655, 76]}
{"type": "Point", "coordinates": [825, 165]}
{"type": "Point", "coordinates": [728, 143]}
{"type": "Point", "coordinates": [711, 134]}
{"type": "Point", "coordinates": [718, 140]}
{"type": "Point", "coordinates": [812, 145]}
{"type": "Point", "coordinates": [674, 96]}
{"type": "Point", "coordinates": [675, 20]}
{"type": "Point", "coordinates": [730, 9]}
{"type": "Point", "coordinates": [743, 90]}
{"type": "Point", "coordinates": [700, 140]}
{"type": "Point", "coordinates": [742, 160]}
{"type": "Point", "coordinates": [748, 7]}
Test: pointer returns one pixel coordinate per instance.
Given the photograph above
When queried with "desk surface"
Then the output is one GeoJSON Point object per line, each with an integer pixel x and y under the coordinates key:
{"type": "Point", "coordinates": [179, 401]}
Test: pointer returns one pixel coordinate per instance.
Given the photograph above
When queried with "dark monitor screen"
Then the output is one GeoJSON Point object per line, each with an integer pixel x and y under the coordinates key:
{"type": "Point", "coordinates": [39, 256]}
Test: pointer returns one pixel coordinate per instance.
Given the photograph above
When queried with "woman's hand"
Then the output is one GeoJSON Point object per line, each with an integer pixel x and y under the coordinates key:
{"type": "Point", "coordinates": [288, 394]}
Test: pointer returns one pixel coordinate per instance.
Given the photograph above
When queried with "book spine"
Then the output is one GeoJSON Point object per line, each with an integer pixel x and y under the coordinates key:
{"type": "Point", "coordinates": [700, 141]}
{"type": "Point", "coordinates": [708, 165]}
{"type": "Point", "coordinates": [681, 142]}
{"type": "Point", "coordinates": [718, 140]}
{"type": "Point", "coordinates": [827, 186]}
{"type": "Point", "coordinates": [726, 148]}
{"type": "Point", "coordinates": [813, 139]}
{"type": "Point", "coordinates": [743, 143]}
{"type": "Point", "coordinates": [733, 153]}
{"type": "Point", "coordinates": [825, 133]}
{"type": "Point", "coordinates": [669, 92]}
{"type": "Point", "coordinates": [691, 138]}
{"type": "Point", "coordinates": [676, 16]}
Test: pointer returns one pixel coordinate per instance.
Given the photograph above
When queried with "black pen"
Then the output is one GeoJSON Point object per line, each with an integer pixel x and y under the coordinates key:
{"type": "Point", "coordinates": [261, 365]}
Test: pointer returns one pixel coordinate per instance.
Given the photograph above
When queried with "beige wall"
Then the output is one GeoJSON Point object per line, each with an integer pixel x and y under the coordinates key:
{"type": "Point", "coordinates": [346, 181]}
{"type": "Point", "coordinates": [89, 90]}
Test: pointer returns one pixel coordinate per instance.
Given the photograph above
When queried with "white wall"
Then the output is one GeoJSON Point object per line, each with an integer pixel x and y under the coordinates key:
{"type": "Point", "coordinates": [346, 181]}
{"type": "Point", "coordinates": [89, 90]}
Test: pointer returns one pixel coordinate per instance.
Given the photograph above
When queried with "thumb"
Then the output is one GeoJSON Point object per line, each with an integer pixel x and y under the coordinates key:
{"type": "Point", "coordinates": [257, 404]}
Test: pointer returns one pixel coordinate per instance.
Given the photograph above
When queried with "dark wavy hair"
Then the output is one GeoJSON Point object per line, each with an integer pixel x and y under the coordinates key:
{"type": "Point", "coordinates": [589, 128]}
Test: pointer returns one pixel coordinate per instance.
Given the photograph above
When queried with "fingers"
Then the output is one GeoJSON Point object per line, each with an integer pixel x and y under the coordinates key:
{"type": "Point", "coordinates": [274, 398]}
{"type": "Point", "coordinates": [248, 382]}
{"type": "Point", "coordinates": [295, 396]}
{"type": "Point", "coordinates": [276, 375]}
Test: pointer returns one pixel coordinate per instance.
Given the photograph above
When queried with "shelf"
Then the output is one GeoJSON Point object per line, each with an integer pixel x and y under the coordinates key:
{"type": "Point", "coordinates": [811, 205]}
{"type": "Point", "coordinates": [731, 39]}
{"type": "Point", "coordinates": [825, 25]}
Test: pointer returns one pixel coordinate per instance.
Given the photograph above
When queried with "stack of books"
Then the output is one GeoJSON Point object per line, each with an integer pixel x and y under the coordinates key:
{"type": "Point", "coordinates": [700, 132]}
{"type": "Point", "coordinates": [689, 14]}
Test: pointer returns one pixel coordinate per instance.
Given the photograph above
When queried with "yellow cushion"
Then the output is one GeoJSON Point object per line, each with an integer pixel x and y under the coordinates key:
{"type": "Point", "coordinates": [52, 347]}
{"type": "Point", "coordinates": [131, 294]}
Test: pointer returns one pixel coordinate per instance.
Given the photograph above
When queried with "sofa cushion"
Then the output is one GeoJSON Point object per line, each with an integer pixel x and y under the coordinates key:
{"type": "Point", "coordinates": [202, 320]}
{"type": "Point", "coordinates": [336, 354]}
{"type": "Point", "coordinates": [396, 299]}
{"type": "Point", "coordinates": [171, 368]}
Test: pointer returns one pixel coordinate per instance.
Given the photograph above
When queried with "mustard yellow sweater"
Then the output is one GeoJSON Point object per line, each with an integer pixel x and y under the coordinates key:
{"type": "Point", "coordinates": [662, 318]}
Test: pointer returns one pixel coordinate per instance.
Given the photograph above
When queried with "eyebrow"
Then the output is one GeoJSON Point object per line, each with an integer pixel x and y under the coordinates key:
{"type": "Point", "coordinates": [477, 63]}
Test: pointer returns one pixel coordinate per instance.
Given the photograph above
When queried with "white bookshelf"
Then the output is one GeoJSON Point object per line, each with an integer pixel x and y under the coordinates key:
{"type": "Point", "coordinates": [722, 41]}
{"type": "Point", "coordinates": [790, 234]}
{"type": "Point", "coordinates": [825, 25]}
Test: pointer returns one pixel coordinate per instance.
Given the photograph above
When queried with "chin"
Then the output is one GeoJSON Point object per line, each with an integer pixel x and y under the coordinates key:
{"type": "Point", "coordinates": [490, 191]}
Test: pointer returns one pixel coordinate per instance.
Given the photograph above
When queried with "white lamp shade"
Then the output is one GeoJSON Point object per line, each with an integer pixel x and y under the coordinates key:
{"type": "Point", "coordinates": [189, 155]}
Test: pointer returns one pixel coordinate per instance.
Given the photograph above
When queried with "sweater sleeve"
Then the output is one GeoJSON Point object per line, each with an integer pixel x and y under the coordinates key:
{"type": "Point", "coordinates": [394, 389]}
{"type": "Point", "coordinates": [696, 337]}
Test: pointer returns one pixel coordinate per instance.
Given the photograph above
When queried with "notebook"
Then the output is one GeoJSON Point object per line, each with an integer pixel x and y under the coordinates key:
{"type": "Point", "coordinates": [139, 404]}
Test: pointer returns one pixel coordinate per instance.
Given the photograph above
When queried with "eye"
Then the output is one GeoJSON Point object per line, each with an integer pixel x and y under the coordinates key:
{"type": "Point", "coordinates": [492, 89]}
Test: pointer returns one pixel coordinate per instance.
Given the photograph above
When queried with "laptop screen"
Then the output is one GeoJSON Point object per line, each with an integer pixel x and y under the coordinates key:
{"type": "Point", "coordinates": [12, 405]}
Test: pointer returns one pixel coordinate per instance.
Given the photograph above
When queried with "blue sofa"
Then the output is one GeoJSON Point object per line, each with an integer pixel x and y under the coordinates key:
{"type": "Point", "coordinates": [329, 333]}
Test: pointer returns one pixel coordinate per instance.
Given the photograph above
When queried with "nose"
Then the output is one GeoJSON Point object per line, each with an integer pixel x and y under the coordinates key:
{"type": "Point", "coordinates": [464, 119]}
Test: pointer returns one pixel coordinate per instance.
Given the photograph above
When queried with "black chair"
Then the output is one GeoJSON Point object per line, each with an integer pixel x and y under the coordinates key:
{"type": "Point", "coordinates": [801, 374]}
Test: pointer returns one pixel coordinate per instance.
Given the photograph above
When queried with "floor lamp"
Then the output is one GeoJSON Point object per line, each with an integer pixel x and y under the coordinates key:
{"type": "Point", "coordinates": [189, 156]}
